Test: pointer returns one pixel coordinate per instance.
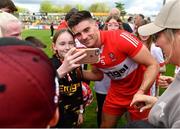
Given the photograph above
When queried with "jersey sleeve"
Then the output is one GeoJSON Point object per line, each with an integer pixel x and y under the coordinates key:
{"type": "Point", "coordinates": [129, 44]}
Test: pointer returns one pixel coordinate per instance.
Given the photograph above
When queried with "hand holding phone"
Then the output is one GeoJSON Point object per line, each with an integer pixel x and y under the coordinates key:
{"type": "Point", "coordinates": [93, 55]}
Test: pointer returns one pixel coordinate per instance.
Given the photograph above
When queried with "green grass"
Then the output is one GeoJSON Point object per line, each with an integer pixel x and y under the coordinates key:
{"type": "Point", "coordinates": [169, 72]}
{"type": "Point", "coordinates": [43, 35]}
{"type": "Point", "coordinates": [90, 113]}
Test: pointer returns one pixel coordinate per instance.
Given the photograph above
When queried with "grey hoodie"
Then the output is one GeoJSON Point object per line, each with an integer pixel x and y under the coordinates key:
{"type": "Point", "coordinates": [166, 111]}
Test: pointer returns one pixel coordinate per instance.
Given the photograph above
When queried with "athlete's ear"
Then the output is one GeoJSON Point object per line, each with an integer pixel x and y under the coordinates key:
{"type": "Point", "coordinates": [96, 23]}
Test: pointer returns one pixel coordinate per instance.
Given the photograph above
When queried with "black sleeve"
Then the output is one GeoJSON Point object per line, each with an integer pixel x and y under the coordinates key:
{"type": "Point", "coordinates": [56, 62]}
{"type": "Point", "coordinates": [127, 27]}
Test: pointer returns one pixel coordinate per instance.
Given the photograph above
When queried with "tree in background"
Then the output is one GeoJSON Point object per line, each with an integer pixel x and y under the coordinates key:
{"type": "Point", "coordinates": [22, 10]}
{"type": "Point", "coordinates": [80, 7]}
{"type": "Point", "coordinates": [46, 6]}
{"type": "Point", "coordinates": [67, 8]}
{"type": "Point", "coordinates": [99, 7]}
{"type": "Point", "coordinates": [121, 7]}
{"type": "Point", "coordinates": [57, 9]}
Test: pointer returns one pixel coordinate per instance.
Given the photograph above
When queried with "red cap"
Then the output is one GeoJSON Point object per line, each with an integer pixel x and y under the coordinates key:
{"type": "Point", "coordinates": [27, 86]}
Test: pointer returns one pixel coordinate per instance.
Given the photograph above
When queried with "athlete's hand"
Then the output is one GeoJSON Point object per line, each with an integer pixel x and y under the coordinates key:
{"type": "Point", "coordinates": [70, 61]}
{"type": "Point", "coordinates": [143, 102]}
{"type": "Point", "coordinates": [164, 81]}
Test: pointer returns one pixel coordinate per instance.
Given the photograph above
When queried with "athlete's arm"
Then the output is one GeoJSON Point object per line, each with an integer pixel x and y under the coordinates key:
{"type": "Point", "coordinates": [152, 68]}
{"type": "Point", "coordinates": [93, 75]}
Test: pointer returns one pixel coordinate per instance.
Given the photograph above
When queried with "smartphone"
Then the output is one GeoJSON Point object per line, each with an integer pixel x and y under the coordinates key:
{"type": "Point", "coordinates": [93, 55]}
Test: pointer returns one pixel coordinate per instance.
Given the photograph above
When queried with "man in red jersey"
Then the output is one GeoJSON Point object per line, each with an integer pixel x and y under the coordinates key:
{"type": "Point", "coordinates": [123, 58]}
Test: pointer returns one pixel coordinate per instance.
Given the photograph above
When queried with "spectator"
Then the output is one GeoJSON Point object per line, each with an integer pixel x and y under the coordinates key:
{"type": "Point", "coordinates": [138, 21]}
{"type": "Point", "coordinates": [131, 23]}
{"type": "Point", "coordinates": [52, 29]}
{"type": "Point", "coordinates": [10, 26]}
{"type": "Point", "coordinates": [122, 58]}
{"type": "Point", "coordinates": [70, 79]}
{"type": "Point", "coordinates": [64, 25]}
{"type": "Point", "coordinates": [157, 54]}
{"type": "Point", "coordinates": [116, 12]}
{"type": "Point", "coordinates": [27, 86]}
{"type": "Point", "coordinates": [7, 6]}
{"type": "Point", "coordinates": [165, 112]}
{"type": "Point", "coordinates": [113, 23]}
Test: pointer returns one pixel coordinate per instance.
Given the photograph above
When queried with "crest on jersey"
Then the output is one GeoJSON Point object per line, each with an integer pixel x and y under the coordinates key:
{"type": "Point", "coordinates": [112, 56]}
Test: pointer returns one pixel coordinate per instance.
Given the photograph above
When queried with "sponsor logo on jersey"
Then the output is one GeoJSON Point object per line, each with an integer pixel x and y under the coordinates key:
{"type": "Point", "coordinates": [118, 73]}
{"type": "Point", "coordinates": [69, 90]}
{"type": "Point", "coordinates": [122, 70]}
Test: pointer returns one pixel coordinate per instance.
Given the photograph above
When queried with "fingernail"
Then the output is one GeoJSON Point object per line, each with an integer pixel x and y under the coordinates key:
{"type": "Point", "coordinates": [141, 110]}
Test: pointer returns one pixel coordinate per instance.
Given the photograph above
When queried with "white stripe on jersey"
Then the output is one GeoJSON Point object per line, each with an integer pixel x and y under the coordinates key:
{"type": "Point", "coordinates": [128, 40]}
{"type": "Point", "coordinates": [132, 40]}
{"type": "Point", "coordinates": [121, 70]}
{"type": "Point", "coordinates": [131, 37]}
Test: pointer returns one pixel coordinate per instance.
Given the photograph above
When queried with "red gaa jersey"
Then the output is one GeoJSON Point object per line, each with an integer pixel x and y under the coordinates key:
{"type": "Point", "coordinates": [117, 50]}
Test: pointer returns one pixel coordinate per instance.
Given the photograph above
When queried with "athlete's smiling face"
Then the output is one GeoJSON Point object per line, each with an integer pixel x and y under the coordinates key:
{"type": "Point", "coordinates": [87, 33]}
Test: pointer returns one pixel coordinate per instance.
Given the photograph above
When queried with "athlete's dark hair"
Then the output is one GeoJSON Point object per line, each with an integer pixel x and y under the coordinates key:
{"type": "Point", "coordinates": [78, 17]}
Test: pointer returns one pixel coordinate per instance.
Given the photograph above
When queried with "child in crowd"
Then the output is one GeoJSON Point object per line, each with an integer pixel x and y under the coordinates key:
{"type": "Point", "coordinates": [70, 77]}
{"type": "Point", "coordinates": [71, 99]}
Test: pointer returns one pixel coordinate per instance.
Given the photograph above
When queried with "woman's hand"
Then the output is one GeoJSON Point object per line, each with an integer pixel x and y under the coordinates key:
{"type": "Point", "coordinates": [143, 102]}
{"type": "Point", "coordinates": [70, 61]}
{"type": "Point", "coordinates": [80, 119]}
{"type": "Point", "coordinates": [164, 81]}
